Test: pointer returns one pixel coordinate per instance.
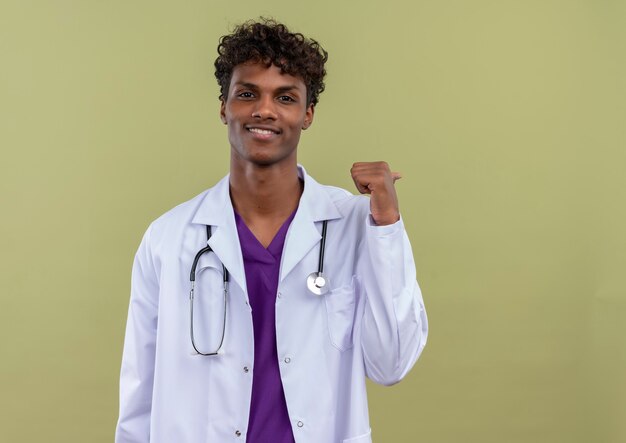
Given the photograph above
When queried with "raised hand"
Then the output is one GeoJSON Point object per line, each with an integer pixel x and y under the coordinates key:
{"type": "Point", "coordinates": [377, 180]}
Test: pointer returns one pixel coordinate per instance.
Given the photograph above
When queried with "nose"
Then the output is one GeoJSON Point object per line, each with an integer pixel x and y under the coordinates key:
{"type": "Point", "coordinates": [265, 109]}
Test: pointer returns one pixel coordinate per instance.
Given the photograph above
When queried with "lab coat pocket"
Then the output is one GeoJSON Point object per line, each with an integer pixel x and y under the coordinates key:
{"type": "Point", "coordinates": [340, 308]}
{"type": "Point", "coordinates": [365, 438]}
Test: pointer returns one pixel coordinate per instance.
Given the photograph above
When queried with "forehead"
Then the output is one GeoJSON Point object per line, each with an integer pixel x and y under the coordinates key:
{"type": "Point", "coordinates": [265, 77]}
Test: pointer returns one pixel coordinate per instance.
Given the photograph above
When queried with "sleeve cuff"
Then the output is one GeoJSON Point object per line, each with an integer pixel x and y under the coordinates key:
{"type": "Point", "coordinates": [386, 230]}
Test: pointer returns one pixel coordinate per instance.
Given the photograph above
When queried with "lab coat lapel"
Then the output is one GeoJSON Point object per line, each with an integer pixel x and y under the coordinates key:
{"type": "Point", "coordinates": [301, 238]}
{"type": "Point", "coordinates": [305, 231]}
{"type": "Point", "coordinates": [216, 210]}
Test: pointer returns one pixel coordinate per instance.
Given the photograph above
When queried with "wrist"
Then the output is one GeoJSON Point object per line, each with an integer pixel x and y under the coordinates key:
{"type": "Point", "coordinates": [386, 219]}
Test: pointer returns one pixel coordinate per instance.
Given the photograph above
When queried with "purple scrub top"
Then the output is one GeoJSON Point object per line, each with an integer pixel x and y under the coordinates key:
{"type": "Point", "coordinates": [269, 419]}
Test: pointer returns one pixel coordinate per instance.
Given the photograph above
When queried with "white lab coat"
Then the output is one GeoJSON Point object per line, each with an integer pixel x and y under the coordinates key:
{"type": "Point", "coordinates": [372, 323]}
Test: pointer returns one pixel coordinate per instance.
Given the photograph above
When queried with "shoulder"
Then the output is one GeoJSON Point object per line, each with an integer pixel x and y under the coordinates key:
{"type": "Point", "coordinates": [173, 223]}
{"type": "Point", "coordinates": [182, 212]}
{"type": "Point", "coordinates": [348, 204]}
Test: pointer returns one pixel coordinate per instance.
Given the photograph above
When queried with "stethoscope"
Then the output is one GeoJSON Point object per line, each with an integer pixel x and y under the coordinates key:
{"type": "Point", "coordinates": [317, 283]}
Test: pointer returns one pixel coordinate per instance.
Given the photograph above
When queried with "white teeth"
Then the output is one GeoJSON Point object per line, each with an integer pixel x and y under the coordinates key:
{"type": "Point", "coordinates": [260, 131]}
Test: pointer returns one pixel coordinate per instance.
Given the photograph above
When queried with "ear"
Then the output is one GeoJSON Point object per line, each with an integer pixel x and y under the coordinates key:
{"type": "Point", "coordinates": [308, 117]}
{"type": "Point", "coordinates": [223, 110]}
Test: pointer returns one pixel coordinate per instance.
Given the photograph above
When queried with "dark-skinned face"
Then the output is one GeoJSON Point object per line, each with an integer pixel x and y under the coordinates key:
{"type": "Point", "coordinates": [265, 111]}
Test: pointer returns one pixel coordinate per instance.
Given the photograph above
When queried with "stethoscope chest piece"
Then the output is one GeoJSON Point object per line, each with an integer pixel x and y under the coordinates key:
{"type": "Point", "coordinates": [317, 283]}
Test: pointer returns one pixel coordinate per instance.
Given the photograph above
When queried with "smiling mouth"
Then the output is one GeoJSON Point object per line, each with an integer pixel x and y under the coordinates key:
{"type": "Point", "coordinates": [262, 131]}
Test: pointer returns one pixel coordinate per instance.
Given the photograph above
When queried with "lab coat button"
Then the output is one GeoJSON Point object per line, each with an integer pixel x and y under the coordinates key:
{"type": "Point", "coordinates": [287, 360]}
{"type": "Point", "coordinates": [300, 424]}
{"type": "Point", "coordinates": [238, 433]}
{"type": "Point", "coordinates": [280, 294]}
{"type": "Point", "coordinates": [245, 369]}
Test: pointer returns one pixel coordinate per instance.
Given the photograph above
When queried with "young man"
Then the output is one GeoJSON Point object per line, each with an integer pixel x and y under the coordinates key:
{"type": "Point", "coordinates": [302, 292]}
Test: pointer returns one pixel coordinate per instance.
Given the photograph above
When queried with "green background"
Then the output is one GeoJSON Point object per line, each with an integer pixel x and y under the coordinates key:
{"type": "Point", "coordinates": [506, 118]}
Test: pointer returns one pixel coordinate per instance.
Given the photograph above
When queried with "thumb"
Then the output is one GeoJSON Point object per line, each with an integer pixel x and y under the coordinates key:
{"type": "Point", "coordinates": [396, 176]}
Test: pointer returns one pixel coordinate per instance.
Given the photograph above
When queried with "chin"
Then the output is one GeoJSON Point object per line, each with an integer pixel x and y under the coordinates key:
{"type": "Point", "coordinates": [263, 162]}
{"type": "Point", "coordinates": [266, 157]}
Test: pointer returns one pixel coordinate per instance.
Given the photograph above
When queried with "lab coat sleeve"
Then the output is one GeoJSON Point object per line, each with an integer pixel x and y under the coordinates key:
{"type": "Point", "coordinates": [137, 373]}
{"type": "Point", "coordinates": [394, 324]}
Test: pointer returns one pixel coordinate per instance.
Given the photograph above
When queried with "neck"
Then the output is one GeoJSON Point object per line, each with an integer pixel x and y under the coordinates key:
{"type": "Point", "coordinates": [265, 192]}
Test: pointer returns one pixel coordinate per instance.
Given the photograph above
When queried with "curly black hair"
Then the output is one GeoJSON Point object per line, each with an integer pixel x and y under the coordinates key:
{"type": "Point", "coordinates": [269, 42]}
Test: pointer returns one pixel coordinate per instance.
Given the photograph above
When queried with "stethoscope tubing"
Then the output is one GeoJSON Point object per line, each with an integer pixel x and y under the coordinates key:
{"type": "Point", "coordinates": [320, 263]}
{"type": "Point", "coordinates": [226, 278]}
{"type": "Point", "coordinates": [192, 279]}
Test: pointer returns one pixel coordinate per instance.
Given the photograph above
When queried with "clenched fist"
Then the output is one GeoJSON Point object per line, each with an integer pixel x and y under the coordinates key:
{"type": "Point", "coordinates": [376, 179]}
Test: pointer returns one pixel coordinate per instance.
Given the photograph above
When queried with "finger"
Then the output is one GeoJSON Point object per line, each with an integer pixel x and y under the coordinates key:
{"type": "Point", "coordinates": [361, 186]}
{"type": "Point", "coordinates": [370, 166]}
{"type": "Point", "coordinates": [363, 189]}
{"type": "Point", "coordinates": [396, 176]}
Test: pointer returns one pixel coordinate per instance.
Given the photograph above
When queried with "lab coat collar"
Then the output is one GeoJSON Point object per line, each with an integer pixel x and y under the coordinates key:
{"type": "Point", "coordinates": [315, 206]}
{"type": "Point", "coordinates": [216, 210]}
